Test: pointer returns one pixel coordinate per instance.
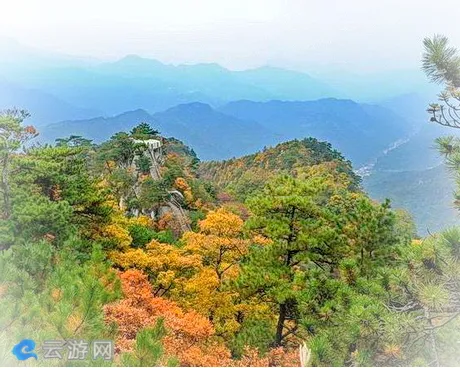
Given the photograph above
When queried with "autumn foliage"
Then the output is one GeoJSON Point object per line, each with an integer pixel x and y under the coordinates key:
{"type": "Point", "coordinates": [191, 337]}
{"type": "Point", "coordinates": [272, 259]}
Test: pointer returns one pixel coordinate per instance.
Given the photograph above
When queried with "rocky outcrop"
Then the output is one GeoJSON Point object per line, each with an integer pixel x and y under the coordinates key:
{"type": "Point", "coordinates": [154, 151]}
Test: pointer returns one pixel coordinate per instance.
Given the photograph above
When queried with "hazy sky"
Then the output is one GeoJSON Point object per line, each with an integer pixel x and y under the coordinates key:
{"type": "Point", "coordinates": [350, 34]}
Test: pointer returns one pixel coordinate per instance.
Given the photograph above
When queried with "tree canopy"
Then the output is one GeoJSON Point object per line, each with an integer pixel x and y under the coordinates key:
{"type": "Point", "coordinates": [306, 269]}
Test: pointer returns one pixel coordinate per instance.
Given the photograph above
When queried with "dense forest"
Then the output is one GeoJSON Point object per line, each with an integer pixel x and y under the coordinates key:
{"type": "Point", "coordinates": [274, 259]}
{"type": "Point", "coordinates": [130, 240]}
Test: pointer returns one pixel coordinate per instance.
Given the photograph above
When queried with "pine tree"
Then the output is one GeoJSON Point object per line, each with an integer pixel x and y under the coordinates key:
{"type": "Point", "coordinates": [428, 296]}
{"type": "Point", "coordinates": [144, 131]}
{"type": "Point", "coordinates": [12, 137]}
{"type": "Point", "coordinates": [325, 248]}
{"type": "Point", "coordinates": [148, 349]}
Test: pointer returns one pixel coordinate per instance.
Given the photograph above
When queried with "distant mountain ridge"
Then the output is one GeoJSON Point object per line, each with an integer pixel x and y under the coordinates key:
{"type": "Point", "coordinates": [359, 131]}
{"type": "Point", "coordinates": [43, 107]}
{"type": "Point", "coordinates": [134, 82]}
{"type": "Point", "coordinates": [212, 134]}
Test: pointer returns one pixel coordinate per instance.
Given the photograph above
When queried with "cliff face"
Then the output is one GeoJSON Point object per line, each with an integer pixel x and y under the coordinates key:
{"type": "Point", "coordinates": [173, 201]}
{"type": "Point", "coordinates": [154, 152]}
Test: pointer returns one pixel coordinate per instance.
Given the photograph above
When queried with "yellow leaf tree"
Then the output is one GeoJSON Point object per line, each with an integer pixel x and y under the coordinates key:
{"type": "Point", "coordinates": [220, 245]}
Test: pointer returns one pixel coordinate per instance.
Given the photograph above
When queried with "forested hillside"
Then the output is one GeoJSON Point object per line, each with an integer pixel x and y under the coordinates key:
{"type": "Point", "coordinates": [243, 176]}
{"type": "Point", "coordinates": [129, 240]}
{"type": "Point", "coordinates": [232, 183]}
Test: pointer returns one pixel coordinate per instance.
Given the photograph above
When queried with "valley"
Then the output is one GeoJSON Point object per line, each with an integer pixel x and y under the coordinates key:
{"type": "Point", "coordinates": [212, 188]}
{"type": "Point", "coordinates": [384, 147]}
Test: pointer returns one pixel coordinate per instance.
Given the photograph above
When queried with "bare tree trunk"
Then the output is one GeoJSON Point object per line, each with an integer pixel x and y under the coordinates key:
{"type": "Point", "coordinates": [280, 324]}
{"type": "Point", "coordinates": [284, 306]}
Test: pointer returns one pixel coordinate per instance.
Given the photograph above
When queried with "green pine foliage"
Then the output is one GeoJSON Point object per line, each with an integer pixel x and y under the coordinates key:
{"type": "Point", "coordinates": [53, 295]}
{"type": "Point", "coordinates": [318, 263]}
{"type": "Point", "coordinates": [325, 271]}
{"type": "Point", "coordinates": [148, 350]}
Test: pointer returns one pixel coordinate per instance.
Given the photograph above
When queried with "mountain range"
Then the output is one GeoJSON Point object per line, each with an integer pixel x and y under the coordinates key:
{"type": "Point", "coordinates": [223, 113]}
{"type": "Point", "coordinates": [359, 131]}
{"type": "Point", "coordinates": [108, 88]}
{"type": "Point", "coordinates": [134, 82]}
{"type": "Point", "coordinates": [44, 107]}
